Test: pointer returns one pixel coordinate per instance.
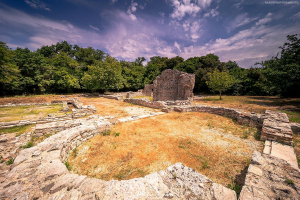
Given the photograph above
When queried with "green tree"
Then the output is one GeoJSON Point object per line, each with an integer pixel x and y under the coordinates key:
{"type": "Point", "coordinates": [9, 72]}
{"type": "Point", "coordinates": [105, 76]}
{"type": "Point", "coordinates": [219, 81]}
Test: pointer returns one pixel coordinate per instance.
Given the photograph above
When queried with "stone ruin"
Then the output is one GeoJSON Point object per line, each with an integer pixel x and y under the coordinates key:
{"type": "Point", "coordinates": [171, 85]}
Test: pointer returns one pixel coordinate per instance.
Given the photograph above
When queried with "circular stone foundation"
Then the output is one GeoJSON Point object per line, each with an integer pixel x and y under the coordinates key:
{"type": "Point", "coordinates": [210, 144]}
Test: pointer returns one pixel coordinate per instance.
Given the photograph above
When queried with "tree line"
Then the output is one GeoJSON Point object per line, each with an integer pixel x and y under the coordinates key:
{"type": "Point", "coordinates": [66, 68]}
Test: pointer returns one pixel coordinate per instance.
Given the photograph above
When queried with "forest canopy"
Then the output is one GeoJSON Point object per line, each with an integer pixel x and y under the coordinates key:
{"type": "Point", "coordinates": [66, 68]}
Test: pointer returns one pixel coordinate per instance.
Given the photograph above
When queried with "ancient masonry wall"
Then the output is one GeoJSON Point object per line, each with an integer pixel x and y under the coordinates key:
{"type": "Point", "coordinates": [173, 85]}
{"type": "Point", "coordinates": [39, 173]}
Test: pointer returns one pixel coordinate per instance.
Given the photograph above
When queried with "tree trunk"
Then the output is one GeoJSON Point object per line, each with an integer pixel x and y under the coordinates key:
{"type": "Point", "coordinates": [220, 95]}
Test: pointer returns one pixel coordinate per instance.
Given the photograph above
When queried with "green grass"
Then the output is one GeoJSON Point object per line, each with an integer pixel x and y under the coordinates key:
{"type": "Point", "coordinates": [19, 129]}
{"type": "Point", "coordinates": [68, 166]}
{"type": "Point", "coordinates": [10, 161]}
{"type": "Point", "coordinates": [27, 112]}
{"type": "Point", "coordinates": [293, 116]}
{"type": "Point", "coordinates": [28, 145]}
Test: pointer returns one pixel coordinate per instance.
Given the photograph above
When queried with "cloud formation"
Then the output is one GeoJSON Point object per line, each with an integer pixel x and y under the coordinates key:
{"type": "Point", "coordinates": [37, 4]}
{"type": "Point", "coordinates": [183, 7]}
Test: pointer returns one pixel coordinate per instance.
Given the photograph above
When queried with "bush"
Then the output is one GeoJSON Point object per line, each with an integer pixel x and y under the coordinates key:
{"type": "Point", "coordinates": [10, 161]}
{"type": "Point", "coordinates": [28, 145]}
{"type": "Point", "coordinates": [68, 166]}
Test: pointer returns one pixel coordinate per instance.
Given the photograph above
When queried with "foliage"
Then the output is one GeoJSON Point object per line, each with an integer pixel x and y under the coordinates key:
{"type": "Point", "coordinates": [105, 75]}
{"type": "Point", "coordinates": [219, 81]}
{"type": "Point", "coordinates": [10, 161]}
{"type": "Point", "coordinates": [28, 145]}
{"type": "Point", "coordinates": [66, 68]}
{"type": "Point", "coordinates": [68, 166]}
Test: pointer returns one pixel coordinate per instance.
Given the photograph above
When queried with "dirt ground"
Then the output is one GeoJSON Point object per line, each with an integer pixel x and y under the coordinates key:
{"type": "Point", "coordinates": [116, 108]}
{"type": "Point", "coordinates": [212, 145]}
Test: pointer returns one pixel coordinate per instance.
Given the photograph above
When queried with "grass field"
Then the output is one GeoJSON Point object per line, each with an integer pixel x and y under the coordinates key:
{"type": "Point", "coordinates": [257, 104]}
{"type": "Point", "coordinates": [28, 112]}
{"type": "Point", "coordinates": [214, 146]}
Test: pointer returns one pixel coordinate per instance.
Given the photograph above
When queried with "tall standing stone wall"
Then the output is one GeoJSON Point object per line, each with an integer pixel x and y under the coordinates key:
{"type": "Point", "coordinates": [173, 85]}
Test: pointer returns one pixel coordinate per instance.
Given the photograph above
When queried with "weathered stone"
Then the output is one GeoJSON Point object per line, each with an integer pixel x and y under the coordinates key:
{"type": "Point", "coordinates": [173, 85]}
{"type": "Point", "coordinates": [276, 127]}
{"type": "Point", "coordinates": [148, 90]}
{"type": "Point", "coordinates": [269, 177]}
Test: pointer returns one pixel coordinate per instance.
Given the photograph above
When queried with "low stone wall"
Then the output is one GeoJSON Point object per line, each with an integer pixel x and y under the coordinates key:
{"type": "Point", "coordinates": [133, 94]}
{"type": "Point", "coordinates": [55, 127]}
{"type": "Point", "coordinates": [115, 97]}
{"type": "Point", "coordinates": [269, 177]}
{"type": "Point", "coordinates": [276, 127]}
{"type": "Point", "coordinates": [240, 116]}
{"type": "Point", "coordinates": [39, 173]}
{"type": "Point", "coordinates": [147, 103]}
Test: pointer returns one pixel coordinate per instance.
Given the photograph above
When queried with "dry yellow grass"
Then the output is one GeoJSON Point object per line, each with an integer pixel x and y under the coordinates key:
{"type": "Point", "coordinates": [207, 143]}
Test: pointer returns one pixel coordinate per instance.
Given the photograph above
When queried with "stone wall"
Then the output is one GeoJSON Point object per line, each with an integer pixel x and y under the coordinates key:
{"type": "Point", "coordinates": [240, 116]}
{"type": "Point", "coordinates": [173, 85]}
{"type": "Point", "coordinates": [39, 173]}
{"type": "Point", "coordinates": [270, 177]}
{"type": "Point", "coordinates": [276, 127]}
{"type": "Point", "coordinates": [147, 103]}
{"type": "Point", "coordinates": [148, 90]}
{"type": "Point", "coordinates": [115, 97]}
{"type": "Point", "coordinates": [133, 94]}
{"type": "Point", "coordinates": [25, 104]}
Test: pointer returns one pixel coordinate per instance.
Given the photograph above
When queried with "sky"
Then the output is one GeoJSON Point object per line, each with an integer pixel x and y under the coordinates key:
{"type": "Point", "coordinates": [245, 31]}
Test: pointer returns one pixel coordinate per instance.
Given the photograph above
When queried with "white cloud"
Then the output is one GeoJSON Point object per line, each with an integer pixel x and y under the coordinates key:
{"type": "Point", "coordinates": [37, 4]}
{"type": "Point", "coordinates": [183, 7]}
{"type": "Point", "coordinates": [93, 27]}
{"type": "Point", "coordinates": [113, 1]}
{"type": "Point", "coordinates": [132, 8]}
{"type": "Point", "coordinates": [204, 3]}
{"type": "Point", "coordinates": [177, 46]}
{"type": "Point", "coordinates": [162, 18]}
{"type": "Point", "coordinates": [195, 31]}
{"type": "Point", "coordinates": [264, 20]}
{"type": "Point", "coordinates": [296, 16]}
{"type": "Point", "coordinates": [252, 45]}
{"type": "Point", "coordinates": [212, 13]}
{"type": "Point", "coordinates": [240, 20]}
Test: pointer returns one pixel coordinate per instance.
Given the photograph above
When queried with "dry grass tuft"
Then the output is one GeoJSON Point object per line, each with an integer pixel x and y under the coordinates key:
{"type": "Point", "coordinates": [210, 144]}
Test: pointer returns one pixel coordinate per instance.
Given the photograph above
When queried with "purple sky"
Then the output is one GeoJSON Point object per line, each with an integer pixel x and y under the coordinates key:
{"type": "Point", "coordinates": [244, 31]}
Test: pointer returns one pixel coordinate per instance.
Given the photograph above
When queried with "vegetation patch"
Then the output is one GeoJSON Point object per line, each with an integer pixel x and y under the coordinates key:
{"type": "Point", "coordinates": [28, 112]}
{"type": "Point", "coordinates": [18, 129]}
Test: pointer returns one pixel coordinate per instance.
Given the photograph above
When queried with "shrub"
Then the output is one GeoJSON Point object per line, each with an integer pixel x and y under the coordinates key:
{"type": "Point", "coordinates": [117, 134]}
{"type": "Point", "coordinates": [28, 145]}
{"type": "Point", "coordinates": [106, 132]}
{"type": "Point", "coordinates": [68, 166]}
{"type": "Point", "coordinates": [10, 161]}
